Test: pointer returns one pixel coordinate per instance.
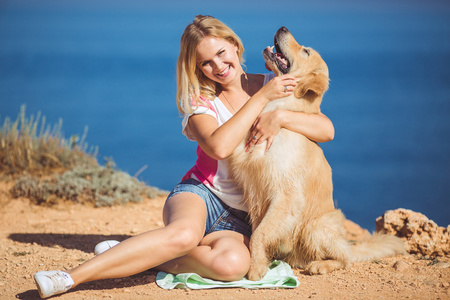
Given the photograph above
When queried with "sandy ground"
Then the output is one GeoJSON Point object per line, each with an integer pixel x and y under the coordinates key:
{"type": "Point", "coordinates": [35, 238]}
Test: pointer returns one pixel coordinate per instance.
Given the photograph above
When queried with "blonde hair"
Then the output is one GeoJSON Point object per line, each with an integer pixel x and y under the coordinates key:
{"type": "Point", "coordinates": [191, 82]}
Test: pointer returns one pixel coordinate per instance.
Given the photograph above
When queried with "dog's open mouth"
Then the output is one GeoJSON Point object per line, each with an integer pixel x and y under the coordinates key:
{"type": "Point", "coordinates": [278, 58]}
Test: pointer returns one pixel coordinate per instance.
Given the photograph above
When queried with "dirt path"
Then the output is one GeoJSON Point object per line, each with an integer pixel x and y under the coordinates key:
{"type": "Point", "coordinates": [35, 238]}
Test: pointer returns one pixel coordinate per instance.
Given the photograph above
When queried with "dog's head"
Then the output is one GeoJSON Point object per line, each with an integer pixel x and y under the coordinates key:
{"type": "Point", "coordinates": [302, 62]}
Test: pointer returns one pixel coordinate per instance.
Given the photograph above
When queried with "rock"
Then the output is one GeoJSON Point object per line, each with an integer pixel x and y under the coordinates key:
{"type": "Point", "coordinates": [421, 235]}
{"type": "Point", "coordinates": [442, 265]}
{"type": "Point", "coordinates": [401, 266]}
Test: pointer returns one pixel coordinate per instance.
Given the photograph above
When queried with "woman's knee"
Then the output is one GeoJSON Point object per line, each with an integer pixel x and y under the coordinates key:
{"type": "Point", "coordinates": [231, 265]}
{"type": "Point", "coordinates": [183, 239]}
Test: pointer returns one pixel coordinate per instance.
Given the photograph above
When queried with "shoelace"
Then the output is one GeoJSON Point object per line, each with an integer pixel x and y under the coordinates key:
{"type": "Point", "coordinates": [59, 283]}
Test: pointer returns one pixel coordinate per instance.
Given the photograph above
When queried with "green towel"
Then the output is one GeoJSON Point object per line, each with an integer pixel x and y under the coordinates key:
{"type": "Point", "coordinates": [279, 275]}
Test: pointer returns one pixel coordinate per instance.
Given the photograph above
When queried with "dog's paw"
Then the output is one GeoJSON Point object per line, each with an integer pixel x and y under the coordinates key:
{"type": "Point", "coordinates": [323, 267]}
{"type": "Point", "coordinates": [257, 272]}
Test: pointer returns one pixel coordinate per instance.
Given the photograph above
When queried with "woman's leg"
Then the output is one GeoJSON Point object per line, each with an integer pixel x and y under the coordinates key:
{"type": "Point", "coordinates": [221, 255]}
{"type": "Point", "coordinates": [178, 247]}
{"type": "Point", "coordinates": [185, 215]}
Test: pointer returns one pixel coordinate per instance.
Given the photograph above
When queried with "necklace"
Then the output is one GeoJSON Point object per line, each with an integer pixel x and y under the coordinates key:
{"type": "Point", "coordinates": [245, 90]}
{"type": "Point", "coordinates": [234, 110]}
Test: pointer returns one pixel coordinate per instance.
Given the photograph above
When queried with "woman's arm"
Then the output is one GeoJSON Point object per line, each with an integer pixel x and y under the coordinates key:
{"type": "Point", "coordinates": [220, 142]}
{"type": "Point", "coordinates": [316, 127]}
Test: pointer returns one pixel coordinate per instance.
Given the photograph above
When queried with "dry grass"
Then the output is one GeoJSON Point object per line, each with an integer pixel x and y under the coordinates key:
{"type": "Point", "coordinates": [30, 145]}
{"type": "Point", "coordinates": [48, 168]}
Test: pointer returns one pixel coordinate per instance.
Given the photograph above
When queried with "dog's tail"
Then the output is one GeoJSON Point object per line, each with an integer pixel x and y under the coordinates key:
{"type": "Point", "coordinates": [377, 246]}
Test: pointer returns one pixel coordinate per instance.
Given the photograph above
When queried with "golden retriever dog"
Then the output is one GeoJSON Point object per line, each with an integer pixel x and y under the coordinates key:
{"type": "Point", "coordinates": [288, 188]}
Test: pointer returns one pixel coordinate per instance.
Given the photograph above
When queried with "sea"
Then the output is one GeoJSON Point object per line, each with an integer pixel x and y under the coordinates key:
{"type": "Point", "coordinates": [110, 66]}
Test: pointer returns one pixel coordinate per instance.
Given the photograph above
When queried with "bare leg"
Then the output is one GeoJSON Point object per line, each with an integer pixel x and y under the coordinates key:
{"type": "Point", "coordinates": [185, 216]}
{"type": "Point", "coordinates": [221, 255]}
{"type": "Point", "coordinates": [177, 247]}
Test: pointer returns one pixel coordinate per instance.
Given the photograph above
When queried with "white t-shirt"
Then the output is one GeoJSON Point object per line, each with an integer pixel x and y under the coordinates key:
{"type": "Point", "coordinates": [214, 173]}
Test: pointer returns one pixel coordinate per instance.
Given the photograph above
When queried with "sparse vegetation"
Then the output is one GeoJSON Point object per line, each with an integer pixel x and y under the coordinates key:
{"type": "Point", "coordinates": [32, 146]}
{"type": "Point", "coordinates": [95, 184]}
{"type": "Point", "coordinates": [48, 168]}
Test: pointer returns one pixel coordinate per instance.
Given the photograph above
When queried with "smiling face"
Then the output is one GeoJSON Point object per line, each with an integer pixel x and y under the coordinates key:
{"type": "Point", "coordinates": [292, 58]}
{"type": "Point", "coordinates": [217, 58]}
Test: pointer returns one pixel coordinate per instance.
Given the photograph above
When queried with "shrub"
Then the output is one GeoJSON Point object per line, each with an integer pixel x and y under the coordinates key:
{"type": "Point", "coordinates": [48, 168]}
{"type": "Point", "coordinates": [24, 148]}
{"type": "Point", "coordinates": [102, 186]}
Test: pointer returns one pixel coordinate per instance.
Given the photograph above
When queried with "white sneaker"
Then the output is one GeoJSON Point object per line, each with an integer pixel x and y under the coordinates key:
{"type": "Point", "coordinates": [103, 246]}
{"type": "Point", "coordinates": [51, 283]}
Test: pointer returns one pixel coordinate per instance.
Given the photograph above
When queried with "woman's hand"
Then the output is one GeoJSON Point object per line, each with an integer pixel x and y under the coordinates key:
{"type": "Point", "coordinates": [265, 128]}
{"type": "Point", "coordinates": [279, 87]}
{"type": "Point", "coordinates": [316, 127]}
{"type": "Point", "coordinates": [267, 125]}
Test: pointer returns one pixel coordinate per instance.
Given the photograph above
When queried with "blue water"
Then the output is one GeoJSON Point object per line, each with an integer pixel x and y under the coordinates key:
{"type": "Point", "coordinates": [110, 65]}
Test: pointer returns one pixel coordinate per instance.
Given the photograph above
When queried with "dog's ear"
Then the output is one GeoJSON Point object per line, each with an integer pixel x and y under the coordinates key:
{"type": "Point", "coordinates": [314, 82]}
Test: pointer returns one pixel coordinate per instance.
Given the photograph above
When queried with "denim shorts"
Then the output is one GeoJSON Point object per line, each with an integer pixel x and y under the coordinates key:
{"type": "Point", "coordinates": [219, 215]}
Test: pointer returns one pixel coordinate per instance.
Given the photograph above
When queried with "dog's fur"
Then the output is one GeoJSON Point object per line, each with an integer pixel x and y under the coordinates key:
{"type": "Point", "coordinates": [288, 189]}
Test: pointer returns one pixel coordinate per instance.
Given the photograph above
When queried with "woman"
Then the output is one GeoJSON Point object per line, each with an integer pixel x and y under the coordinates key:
{"type": "Point", "coordinates": [206, 226]}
